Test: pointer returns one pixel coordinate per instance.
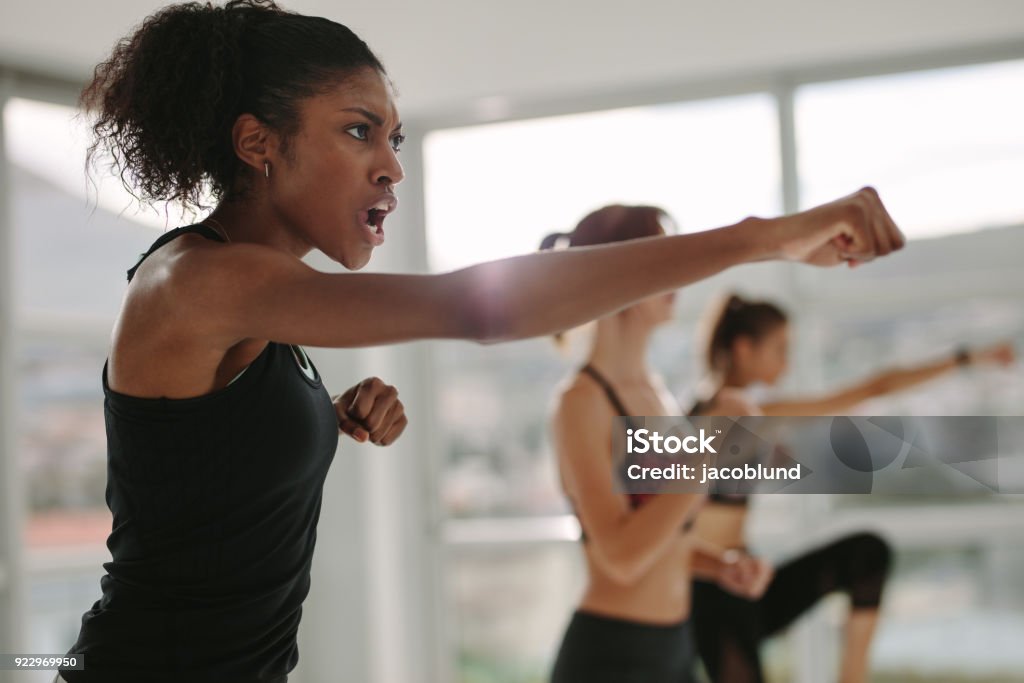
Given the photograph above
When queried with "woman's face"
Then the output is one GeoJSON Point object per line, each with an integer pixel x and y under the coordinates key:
{"type": "Point", "coordinates": [658, 309]}
{"type": "Point", "coordinates": [334, 182]}
{"type": "Point", "coordinates": [768, 355]}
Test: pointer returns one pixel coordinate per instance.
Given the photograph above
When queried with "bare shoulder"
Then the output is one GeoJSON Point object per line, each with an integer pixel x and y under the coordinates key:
{"type": "Point", "coordinates": [194, 287]}
{"type": "Point", "coordinates": [169, 285]}
{"type": "Point", "coordinates": [580, 420]}
{"type": "Point", "coordinates": [578, 397]}
{"type": "Point", "coordinates": [733, 401]}
{"type": "Point", "coordinates": [172, 311]}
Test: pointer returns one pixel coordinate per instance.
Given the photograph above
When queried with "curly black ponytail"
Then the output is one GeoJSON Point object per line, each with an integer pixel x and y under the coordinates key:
{"type": "Point", "coordinates": [169, 94]}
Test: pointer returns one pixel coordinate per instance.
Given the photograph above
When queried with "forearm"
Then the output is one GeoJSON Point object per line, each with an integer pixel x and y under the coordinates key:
{"type": "Point", "coordinates": [707, 560]}
{"type": "Point", "coordinates": [543, 293]}
{"type": "Point", "coordinates": [896, 380]}
{"type": "Point", "coordinates": [886, 382]}
{"type": "Point", "coordinates": [632, 548]}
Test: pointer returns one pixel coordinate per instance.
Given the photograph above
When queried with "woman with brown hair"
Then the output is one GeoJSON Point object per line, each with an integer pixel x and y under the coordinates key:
{"type": "Point", "coordinates": [749, 343]}
{"type": "Point", "coordinates": [632, 622]}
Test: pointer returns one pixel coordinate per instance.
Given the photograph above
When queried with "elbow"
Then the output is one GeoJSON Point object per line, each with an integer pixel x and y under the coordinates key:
{"type": "Point", "coordinates": [485, 324]}
{"type": "Point", "coordinates": [622, 568]}
{"type": "Point", "coordinates": [485, 318]}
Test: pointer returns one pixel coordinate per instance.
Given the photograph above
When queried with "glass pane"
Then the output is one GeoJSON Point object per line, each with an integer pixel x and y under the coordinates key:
{"type": "Point", "coordinates": [495, 190]}
{"type": "Point", "coordinates": [70, 256]}
{"type": "Point", "coordinates": [945, 148]}
{"type": "Point", "coordinates": [953, 614]}
{"type": "Point", "coordinates": [912, 309]}
{"type": "Point", "coordinates": [71, 248]}
{"type": "Point", "coordinates": [509, 623]}
{"type": "Point", "coordinates": [61, 433]}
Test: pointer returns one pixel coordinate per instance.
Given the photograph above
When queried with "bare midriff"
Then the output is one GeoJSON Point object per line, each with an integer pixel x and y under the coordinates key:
{"type": "Point", "coordinates": [660, 596]}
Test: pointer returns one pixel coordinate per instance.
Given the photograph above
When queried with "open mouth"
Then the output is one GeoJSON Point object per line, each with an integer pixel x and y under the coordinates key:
{"type": "Point", "coordinates": [373, 218]}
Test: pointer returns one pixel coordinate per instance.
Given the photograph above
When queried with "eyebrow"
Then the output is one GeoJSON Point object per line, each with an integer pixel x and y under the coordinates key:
{"type": "Point", "coordinates": [370, 115]}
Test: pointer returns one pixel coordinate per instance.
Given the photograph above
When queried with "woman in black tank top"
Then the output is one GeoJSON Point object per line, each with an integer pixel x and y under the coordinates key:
{"type": "Point", "coordinates": [220, 431]}
{"type": "Point", "coordinates": [748, 343]}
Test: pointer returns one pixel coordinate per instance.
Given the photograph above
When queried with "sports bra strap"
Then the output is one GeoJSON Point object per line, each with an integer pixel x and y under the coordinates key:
{"type": "Point", "coordinates": [204, 230]}
{"type": "Point", "coordinates": [606, 385]}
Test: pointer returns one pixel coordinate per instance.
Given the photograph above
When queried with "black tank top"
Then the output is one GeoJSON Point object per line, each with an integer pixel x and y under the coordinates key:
{"type": "Point", "coordinates": [215, 502]}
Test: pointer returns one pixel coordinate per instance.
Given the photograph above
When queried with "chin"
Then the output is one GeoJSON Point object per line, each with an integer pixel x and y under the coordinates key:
{"type": "Point", "coordinates": [355, 261]}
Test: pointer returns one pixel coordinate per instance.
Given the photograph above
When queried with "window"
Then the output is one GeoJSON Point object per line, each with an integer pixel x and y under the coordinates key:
{"type": "Point", "coordinates": [945, 147]}
{"type": "Point", "coordinates": [71, 248]}
{"type": "Point", "coordinates": [494, 191]}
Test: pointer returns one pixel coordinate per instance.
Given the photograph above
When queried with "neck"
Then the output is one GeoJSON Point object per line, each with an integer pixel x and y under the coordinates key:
{"type": "Point", "coordinates": [735, 380]}
{"type": "Point", "coordinates": [620, 350]}
{"type": "Point", "coordinates": [248, 222]}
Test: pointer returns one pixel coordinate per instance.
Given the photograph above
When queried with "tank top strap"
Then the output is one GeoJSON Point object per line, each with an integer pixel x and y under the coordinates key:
{"type": "Point", "coordinates": [204, 230]}
{"type": "Point", "coordinates": [609, 391]}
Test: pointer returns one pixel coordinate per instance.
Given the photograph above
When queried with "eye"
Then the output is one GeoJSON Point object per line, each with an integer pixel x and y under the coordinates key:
{"type": "Point", "coordinates": [359, 132]}
{"type": "Point", "coordinates": [396, 142]}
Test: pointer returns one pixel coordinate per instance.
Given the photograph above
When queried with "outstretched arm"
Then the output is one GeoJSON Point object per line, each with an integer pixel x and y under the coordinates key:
{"type": "Point", "coordinates": [888, 382]}
{"type": "Point", "coordinates": [243, 291]}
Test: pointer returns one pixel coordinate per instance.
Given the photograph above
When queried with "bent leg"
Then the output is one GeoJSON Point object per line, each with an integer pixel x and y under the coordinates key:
{"type": "Point", "coordinates": [727, 632]}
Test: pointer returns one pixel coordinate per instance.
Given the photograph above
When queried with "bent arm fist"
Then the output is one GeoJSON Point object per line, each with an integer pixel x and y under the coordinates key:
{"type": "Point", "coordinates": [854, 229]}
{"type": "Point", "coordinates": [745, 575]}
{"type": "Point", "coordinates": [371, 410]}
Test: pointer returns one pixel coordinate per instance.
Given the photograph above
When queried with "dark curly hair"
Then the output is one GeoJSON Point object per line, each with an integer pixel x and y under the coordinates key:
{"type": "Point", "coordinates": [168, 96]}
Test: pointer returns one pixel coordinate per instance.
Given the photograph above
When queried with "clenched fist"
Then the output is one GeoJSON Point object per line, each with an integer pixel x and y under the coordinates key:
{"type": "Point", "coordinates": [854, 229]}
{"type": "Point", "coordinates": [371, 411]}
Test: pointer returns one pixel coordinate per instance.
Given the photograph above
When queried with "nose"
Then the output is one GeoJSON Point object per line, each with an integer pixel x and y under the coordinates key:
{"type": "Point", "coordinates": [388, 170]}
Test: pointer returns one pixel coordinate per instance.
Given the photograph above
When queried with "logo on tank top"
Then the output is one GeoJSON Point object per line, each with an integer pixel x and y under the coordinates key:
{"type": "Point", "coordinates": [302, 360]}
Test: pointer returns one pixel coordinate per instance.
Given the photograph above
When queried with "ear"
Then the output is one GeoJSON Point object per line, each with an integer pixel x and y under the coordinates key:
{"type": "Point", "coordinates": [253, 141]}
{"type": "Point", "coordinates": [742, 348]}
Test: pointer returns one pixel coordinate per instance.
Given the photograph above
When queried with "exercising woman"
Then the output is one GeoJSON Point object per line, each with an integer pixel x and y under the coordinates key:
{"type": "Point", "coordinates": [220, 431]}
{"type": "Point", "coordinates": [631, 624]}
{"type": "Point", "coordinates": [748, 343]}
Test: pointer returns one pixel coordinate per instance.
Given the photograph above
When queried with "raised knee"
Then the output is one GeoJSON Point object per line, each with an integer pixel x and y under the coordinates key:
{"type": "Point", "coordinates": [874, 552]}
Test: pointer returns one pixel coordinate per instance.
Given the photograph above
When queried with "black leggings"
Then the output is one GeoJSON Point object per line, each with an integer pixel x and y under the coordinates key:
{"type": "Point", "coordinates": [729, 629]}
{"type": "Point", "coordinates": [599, 649]}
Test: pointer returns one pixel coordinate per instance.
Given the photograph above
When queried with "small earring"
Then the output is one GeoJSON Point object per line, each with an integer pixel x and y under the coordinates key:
{"type": "Point", "coordinates": [266, 168]}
